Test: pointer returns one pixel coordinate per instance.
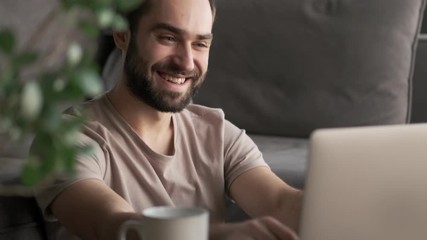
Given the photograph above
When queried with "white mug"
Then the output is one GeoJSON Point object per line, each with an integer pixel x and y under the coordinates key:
{"type": "Point", "coordinates": [169, 223]}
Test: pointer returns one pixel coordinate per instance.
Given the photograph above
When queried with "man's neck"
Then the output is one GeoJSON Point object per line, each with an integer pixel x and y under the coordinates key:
{"type": "Point", "coordinates": [155, 128]}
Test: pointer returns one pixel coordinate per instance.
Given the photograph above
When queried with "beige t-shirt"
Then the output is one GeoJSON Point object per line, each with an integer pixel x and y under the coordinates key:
{"type": "Point", "coordinates": [209, 153]}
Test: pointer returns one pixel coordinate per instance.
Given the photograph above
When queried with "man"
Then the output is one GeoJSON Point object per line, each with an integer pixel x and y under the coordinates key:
{"type": "Point", "coordinates": [152, 148]}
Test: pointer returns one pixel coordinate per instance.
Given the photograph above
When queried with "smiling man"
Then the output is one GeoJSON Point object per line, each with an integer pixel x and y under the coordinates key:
{"type": "Point", "coordinates": [154, 148]}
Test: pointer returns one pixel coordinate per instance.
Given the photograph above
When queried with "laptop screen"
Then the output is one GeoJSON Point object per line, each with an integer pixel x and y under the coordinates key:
{"type": "Point", "coordinates": [366, 183]}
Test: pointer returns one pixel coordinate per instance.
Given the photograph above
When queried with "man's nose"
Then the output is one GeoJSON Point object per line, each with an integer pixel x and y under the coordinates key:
{"type": "Point", "coordinates": [184, 58]}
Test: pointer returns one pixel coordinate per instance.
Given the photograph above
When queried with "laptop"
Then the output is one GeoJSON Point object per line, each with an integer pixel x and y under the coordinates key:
{"type": "Point", "coordinates": [366, 183]}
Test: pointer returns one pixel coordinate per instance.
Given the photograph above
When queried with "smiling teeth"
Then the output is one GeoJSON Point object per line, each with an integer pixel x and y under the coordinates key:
{"type": "Point", "coordinates": [175, 80]}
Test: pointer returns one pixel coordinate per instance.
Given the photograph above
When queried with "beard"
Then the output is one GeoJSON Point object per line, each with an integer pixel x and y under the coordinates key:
{"type": "Point", "coordinates": [141, 82]}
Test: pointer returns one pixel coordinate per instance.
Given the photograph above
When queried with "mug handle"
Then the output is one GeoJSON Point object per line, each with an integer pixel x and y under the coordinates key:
{"type": "Point", "coordinates": [128, 225]}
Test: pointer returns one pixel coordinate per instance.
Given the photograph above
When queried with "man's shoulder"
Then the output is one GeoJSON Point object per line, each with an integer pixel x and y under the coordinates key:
{"type": "Point", "coordinates": [97, 121]}
{"type": "Point", "coordinates": [88, 109]}
{"type": "Point", "coordinates": [204, 112]}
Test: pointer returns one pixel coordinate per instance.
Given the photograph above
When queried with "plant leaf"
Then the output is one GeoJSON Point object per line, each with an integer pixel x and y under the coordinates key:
{"type": "Point", "coordinates": [119, 23]}
{"type": "Point", "coordinates": [89, 28]}
{"type": "Point", "coordinates": [30, 174]}
{"type": "Point", "coordinates": [89, 81]}
{"type": "Point", "coordinates": [75, 53]}
{"type": "Point", "coordinates": [31, 100]}
{"type": "Point", "coordinates": [105, 17]}
{"type": "Point", "coordinates": [25, 58]}
{"type": "Point", "coordinates": [7, 41]}
{"type": "Point", "coordinates": [127, 5]}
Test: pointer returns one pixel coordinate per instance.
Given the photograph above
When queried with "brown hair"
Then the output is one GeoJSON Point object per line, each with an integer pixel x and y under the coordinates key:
{"type": "Point", "coordinates": [134, 16]}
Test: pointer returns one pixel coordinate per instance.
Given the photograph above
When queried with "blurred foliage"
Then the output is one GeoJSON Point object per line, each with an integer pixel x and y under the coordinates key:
{"type": "Point", "coordinates": [32, 103]}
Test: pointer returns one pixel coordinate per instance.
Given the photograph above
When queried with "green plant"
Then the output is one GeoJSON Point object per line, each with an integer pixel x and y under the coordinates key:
{"type": "Point", "coordinates": [35, 86]}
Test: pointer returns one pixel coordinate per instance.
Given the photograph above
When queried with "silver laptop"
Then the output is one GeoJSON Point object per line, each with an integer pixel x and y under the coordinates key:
{"type": "Point", "coordinates": [366, 183]}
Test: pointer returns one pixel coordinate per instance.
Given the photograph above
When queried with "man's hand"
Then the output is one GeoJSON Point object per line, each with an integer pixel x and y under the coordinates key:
{"type": "Point", "coordinates": [264, 228]}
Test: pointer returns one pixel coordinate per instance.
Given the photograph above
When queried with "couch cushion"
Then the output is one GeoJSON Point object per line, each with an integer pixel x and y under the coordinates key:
{"type": "Point", "coordinates": [419, 100]}
{"type": "Point", "coordinates": [20, 219]}
{"type": "Point", "coordinates": [20, 216]}
{"type": "Point", "coordinates": [289, 67]}
{"type": "Point", "coordinates": [424, 24]}
{"type": "Point", "coordinates": [287, 157]}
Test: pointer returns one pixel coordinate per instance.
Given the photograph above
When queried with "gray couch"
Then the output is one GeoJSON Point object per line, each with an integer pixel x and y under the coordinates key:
{"type": "Point", "coordinates": [281, 69]}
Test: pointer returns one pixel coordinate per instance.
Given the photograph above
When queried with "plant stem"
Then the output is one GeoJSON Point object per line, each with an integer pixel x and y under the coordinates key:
{"type": "Point", "coordinates": [42, 28]}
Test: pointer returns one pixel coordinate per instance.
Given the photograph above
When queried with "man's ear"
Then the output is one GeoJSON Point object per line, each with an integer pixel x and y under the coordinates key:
{"type": "Point", "coordinates": [121, 39]}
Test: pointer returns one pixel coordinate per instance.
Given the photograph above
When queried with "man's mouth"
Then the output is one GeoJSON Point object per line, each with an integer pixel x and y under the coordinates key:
{"type": "Point", "coordinates": [176, 80]}
{"type": "Point", "coordinates": [173, 78]}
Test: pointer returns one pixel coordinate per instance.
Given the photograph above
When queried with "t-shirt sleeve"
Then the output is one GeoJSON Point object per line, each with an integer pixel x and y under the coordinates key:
{"type": "Point", "coordinates": [87, 166]}
{"type": "Point", "coordinates": [240, 153]}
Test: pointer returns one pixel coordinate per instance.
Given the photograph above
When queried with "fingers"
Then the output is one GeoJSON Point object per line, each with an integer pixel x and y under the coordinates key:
{"type": "Point", "coordinates": [269, 228]}
{"type": "Point", "coordinates": [280, 230]}
{"type": "Point", "coordinates": [264, 228]}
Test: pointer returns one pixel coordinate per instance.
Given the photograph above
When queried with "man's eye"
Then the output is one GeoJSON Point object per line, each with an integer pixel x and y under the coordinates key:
{"type": "Point", "coordinates": [201, 45]}
{"type": "Point", "coordinates": [167, 38]}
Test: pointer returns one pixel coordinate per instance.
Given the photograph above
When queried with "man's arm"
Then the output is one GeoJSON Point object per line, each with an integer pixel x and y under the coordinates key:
{"type": "Point", "coordinates": [259, 192]}
{"type": "Point", "coordinates": [273, 205]}
{"type": "Point", "coordinates": [92, 210]}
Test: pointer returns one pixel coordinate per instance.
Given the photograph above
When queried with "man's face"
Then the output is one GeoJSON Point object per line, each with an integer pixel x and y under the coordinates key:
{"type": "Point", "coordinates": [167, 57]}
